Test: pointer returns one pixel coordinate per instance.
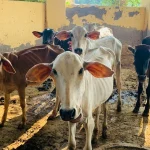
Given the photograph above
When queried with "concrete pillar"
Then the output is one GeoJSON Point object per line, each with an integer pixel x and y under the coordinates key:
{"type": "Point", "coordinates": [146, 3]}
{"type": "Point", "coordinates": [55, 14]}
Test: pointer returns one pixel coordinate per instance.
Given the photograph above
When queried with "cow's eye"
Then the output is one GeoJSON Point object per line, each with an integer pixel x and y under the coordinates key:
{"type": "Point", "coordinates": [71, 35]}
{"type": "Point", "coordinates": [55, 72]}
{"type": "Point", "coordinates": [85, 35]}
{"type": "Point", "coordinates": [81, 71]}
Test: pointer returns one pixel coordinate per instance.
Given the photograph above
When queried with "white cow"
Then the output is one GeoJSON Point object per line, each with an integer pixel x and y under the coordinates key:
{"type": "Point", "coordinates": [83, 42]}
{"type": "Point", "coordinates": [82, 86]}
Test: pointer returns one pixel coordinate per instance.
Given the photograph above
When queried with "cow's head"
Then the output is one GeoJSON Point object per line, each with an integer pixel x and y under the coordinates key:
{"type": "Point", "coordinates": [146, 40]}
{"type": "Point", "coordinates": [47, 34]}
{"type": "Point", "coordinates": [141, 60]}
{"type": "Point", "coordinates": [90, 26]}
{"type": "Point", "coordinates": [6, 65]}
{"type": "Point", "coordinates": [70, 73]}
{"type": "Point", "coordinates": [79, 38]}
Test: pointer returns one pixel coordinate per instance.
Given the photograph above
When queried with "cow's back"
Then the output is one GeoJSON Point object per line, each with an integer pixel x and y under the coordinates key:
{"type": "Point", "coordinates": [110, 42]}
{"type": "Point", "coordinates": [23, 60]}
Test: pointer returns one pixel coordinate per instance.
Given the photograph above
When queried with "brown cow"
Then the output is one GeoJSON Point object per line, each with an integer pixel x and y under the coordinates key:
{"type": "Point", "coordinates": [12, 77]}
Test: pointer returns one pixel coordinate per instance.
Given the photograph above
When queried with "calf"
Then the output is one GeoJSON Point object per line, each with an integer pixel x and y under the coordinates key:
{"type": "Point", "coordinates": [49, 38]}
{"type": "Point", "coordinates": [142, 67]}
{"type": "Point", "coordinates": [13, 78]}
{"type": "Point", "coordinates": [83, 86]}
{"type": "Point", "coordinates": [83, 42]}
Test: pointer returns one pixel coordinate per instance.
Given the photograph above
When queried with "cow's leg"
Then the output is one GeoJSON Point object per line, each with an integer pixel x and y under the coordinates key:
{"type": "Point", "coordinates": [71, 139]}
{"type": "Point", "coordinates": [118, 78]}
{"type": "Point", "coordinates": [21, 92]}
{"type": "Point", "coordinates": [96, 129]}
{"type": "Point", "coordinates": [146, 111]}
{"type": "Point", "coordinates": [55, 109]}
{"type": "Point", "coordinates": [6, 104]}
{"type": "Point", "coordinates": [138, 103]}
{"type": "Point", "coordinates": [89, 127]}
{"type": "Point", "coordinates": [104, 129]}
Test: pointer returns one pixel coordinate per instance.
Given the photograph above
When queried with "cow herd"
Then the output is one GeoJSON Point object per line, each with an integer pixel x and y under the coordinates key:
{"type": "Point", "coordinates": [82, 62]}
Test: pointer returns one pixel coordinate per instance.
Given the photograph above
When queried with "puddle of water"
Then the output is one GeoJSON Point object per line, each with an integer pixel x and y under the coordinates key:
{"type": "Point", "coordinates": [128, 97]}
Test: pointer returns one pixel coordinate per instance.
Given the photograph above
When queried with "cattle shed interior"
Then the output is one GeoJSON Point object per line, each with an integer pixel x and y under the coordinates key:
{"type": "Point", "coordinates": [126, 130]}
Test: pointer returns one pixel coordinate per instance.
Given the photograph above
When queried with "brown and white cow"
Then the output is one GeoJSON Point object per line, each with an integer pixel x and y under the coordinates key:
{"type": "Point", "coordinates": [14, 66]}
{"type": "Point", "coordinates": [83, 42]}
{"type": "Point", "coordinates": [82, 86]}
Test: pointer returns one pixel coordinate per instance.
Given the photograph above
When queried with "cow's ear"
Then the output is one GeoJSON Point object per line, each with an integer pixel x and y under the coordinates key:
{"type": "Point", "coordinates": [37, 34]}
{"type": "Point", "coordinates": [39, 73]}
{"type": "Point", "coordinates": [7, 66]}
{"type": "Point", "coordinates": [98, 70]}
{"type": "Point", "coordinates": [63, 35]}
{"type": "Point", "coordinates": [130, 48]}
{"type": "Point", "coordinates": [94, 35]}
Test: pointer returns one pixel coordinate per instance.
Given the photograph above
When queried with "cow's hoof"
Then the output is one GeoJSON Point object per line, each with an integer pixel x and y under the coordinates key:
{"type": "Point", "coordinates": [21, 126]}
{"type": "Point", "coordinates": [94, 140]}
{"type": "Point", "coordinates": [104, 132]}
{"type": "Point", "coordinates": [118, 108]}
{"type": "Point", "coordinates": [145, 114]}
{"type": "Point", "coordinates": [135, 110]}
{"type": "Point", "coordinates": [1, 125]}
{"type": "Point", "coordinates": [52, 116]}
{"type": "Point", "coordinates": [104, 135]}
{"type": "Point", "coordinates": [71, 148]}
{"type": "Point", "coordinates": [95, 136]}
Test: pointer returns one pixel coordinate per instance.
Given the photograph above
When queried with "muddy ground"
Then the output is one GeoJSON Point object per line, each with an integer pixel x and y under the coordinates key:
{"type": "Point", "coordinates": [125, 129]}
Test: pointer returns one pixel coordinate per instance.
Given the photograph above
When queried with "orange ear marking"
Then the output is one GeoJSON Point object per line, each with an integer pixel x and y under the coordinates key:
{"type": "Point", "coordinates": [63, 35]}
{"type": "Point", "coordinates": [94, 35]}
{"type": "Point", "coordinates": [99, 70]}
{"type": "Point", "coordinates": [37, 34]}
{"type": "Point", "coordinates": [38, 73]}
{"type": "Point", "coordinates": [7, 66]}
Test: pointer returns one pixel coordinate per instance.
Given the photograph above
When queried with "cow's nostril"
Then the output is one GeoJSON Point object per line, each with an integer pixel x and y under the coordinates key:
{"type": "Point", "coordinates": [61, 112]}
{"type": "Point", "coordinates": [78, 51]}
{"type": "Point", "coordinates": [73, 114]}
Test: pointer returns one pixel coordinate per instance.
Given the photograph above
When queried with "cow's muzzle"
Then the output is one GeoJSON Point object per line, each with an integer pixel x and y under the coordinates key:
{"type": "Point", "coordinates": [67, 115]}
{"type": "Point", "coordinates": [141, 78]}
{"type": "Point", "coordinates": [78, 51]}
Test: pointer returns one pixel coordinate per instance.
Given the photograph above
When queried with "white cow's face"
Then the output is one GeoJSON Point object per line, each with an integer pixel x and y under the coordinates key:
{"type": "Point", "coordinates": [79, 39]}
{"type": "Point", "coordinates": [69, 73]}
